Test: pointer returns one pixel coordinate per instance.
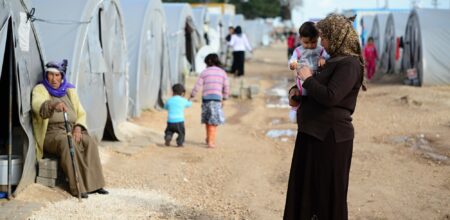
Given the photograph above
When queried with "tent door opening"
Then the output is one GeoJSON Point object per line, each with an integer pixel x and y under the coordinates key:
{"type": "Point", "coordinates": [12, 135]}
{"type": "Point", "coordinates": [188, 32]}
{"type": "Point", "coordinates": [108, 133]}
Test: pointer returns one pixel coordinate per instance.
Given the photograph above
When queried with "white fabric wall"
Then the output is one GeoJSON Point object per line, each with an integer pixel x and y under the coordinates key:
{"type": "Point", "coordinates": [146, 40]}
{"type": "Point", "coordinates": [432, 43]}
{"type": "Point", "coordinates": [177, 14]}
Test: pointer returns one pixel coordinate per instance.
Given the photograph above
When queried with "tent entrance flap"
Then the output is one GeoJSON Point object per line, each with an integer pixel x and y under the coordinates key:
{"type": "Point", "coordinates": [115, 80]}
{"type": "Point", "coordinates": [12, 135]}
{"type": "Point", "coordinates": [108, 133]}
{"type": "Point", "coordinates": [412, 61]}
{"type": "Point", "coordinates": [189, 29]}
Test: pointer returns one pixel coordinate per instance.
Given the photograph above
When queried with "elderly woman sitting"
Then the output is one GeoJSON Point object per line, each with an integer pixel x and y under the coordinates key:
{"type": "Point", "coordinates": [53, 96]}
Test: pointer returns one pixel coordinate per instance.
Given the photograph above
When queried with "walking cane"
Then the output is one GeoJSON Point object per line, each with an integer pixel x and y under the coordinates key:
{"type": "Point", "coordinates": [72, 152]}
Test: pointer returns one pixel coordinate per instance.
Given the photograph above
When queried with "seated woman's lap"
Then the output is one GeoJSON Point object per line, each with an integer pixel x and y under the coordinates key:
{"type": "Point", "coordinates": [57, 144]}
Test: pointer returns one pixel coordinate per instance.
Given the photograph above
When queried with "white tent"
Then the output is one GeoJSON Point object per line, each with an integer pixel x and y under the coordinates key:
{"type": "Point", "coordinates": [238, 20]}
{"type": "Point", "coordinates": [267, 35]}
{"type": "Point", "coordinates": [90, 34]}
{"type": "Point", "coordinates": [227, 22]}
{"type": "Point", "coordinates": [426, 47]}
{"type": "Point", "coordinates": [377, 32]}
{"type": "Point", "coordinates": [395, 28]}
{"type": "Point", "coordinates": [148, 51]}
{"type": "Point", "coordinates": [201, 20]}
{"type": "Point", "coordinates": [255, 30]}
{"type": "Point", "coordinates": [21, 68]}
{"type": "Point", "coordinates": [184, 40]}
{"type": "Point", "coordinates": [215, 32]}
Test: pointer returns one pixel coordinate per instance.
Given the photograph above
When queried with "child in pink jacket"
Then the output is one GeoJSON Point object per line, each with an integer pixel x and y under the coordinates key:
{"type": "Point", "coordinates": [370, 56]}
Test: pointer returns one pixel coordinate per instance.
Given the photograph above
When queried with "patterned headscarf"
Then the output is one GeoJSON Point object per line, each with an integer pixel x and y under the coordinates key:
{"type": "Point", "coordinates": [60, 67]}
{"type": "Point", "coordinates": [342, 38]}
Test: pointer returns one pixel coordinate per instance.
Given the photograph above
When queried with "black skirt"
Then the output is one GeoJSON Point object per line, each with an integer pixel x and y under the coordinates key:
{"type": "Point", "coordinates": [318, 180]}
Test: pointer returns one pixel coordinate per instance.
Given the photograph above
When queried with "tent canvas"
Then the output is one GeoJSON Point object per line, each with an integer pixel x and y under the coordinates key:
{"type": "Point", "coordinates": [227, 22]}
{"type": "Point", "coordinates": [268, 30]}
{"type": "Point", "coordinates": [238, 20]}
{"type": "Point", "coordinates": [215, 32]}
{"type": "Point", "coordinates": [24, 63]}
{"type": "Point", "coordinates": [93, 39]}
{"type": "Point", "coordinates": [426, 46]}
{"type": "Point", "coordinates": [366, 22]}
{"type": "Point", "coordinates": [183, 40]}
{"type": "Point", "coordinates": [147, 53]}
{"type": "Point", "coordinates": [378, 28]}
{"type": "Point", "coordinates": [201, 20]}
{"type": "Point", "coordinates": [255, 31]}
{"type": "Point", "coordinates": [395, 28]}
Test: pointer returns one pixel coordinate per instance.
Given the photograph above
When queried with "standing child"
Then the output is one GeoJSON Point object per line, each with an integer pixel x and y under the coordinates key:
{"type": "Point", "coordinates": [175, 122]}
{"type": "Point", "coordinates": [308, 53]}
{"type": "Point", "coordinates": [291, 43]}
{"type": "Point", "coordinates": [370, 56]}
{"type": "Point", "coordinates": [215, 91]}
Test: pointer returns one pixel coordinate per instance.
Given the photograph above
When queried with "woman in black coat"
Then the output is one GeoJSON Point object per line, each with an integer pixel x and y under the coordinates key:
{"type": "Point", "coordinates": [319, 175]}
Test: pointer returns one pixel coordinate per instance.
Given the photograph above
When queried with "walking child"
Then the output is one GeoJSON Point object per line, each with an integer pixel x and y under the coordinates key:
{"type": "Point", "coordinates": [175, 121]}
{"type": "Point", "coordinates": [309, 53]}
{"type": "Point", "coordinates": [370, 56]}
{"type": "Point", "coordinates": [215, 90]}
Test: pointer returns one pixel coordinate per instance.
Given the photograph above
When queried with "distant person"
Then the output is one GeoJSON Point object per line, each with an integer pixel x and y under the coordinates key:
{"type": "Point", "coordinates": [370, 56]}
{"type": "Point", "coordinates": [290, 43]}
{"type": "Point", "coordinates": [309, 53]}
{"type": "Point", "coordinates": [363, 32]}
{"type": "Point", "coordinates": [50, 98]}
{"type": "Point", "coordinates": [240, 44]}
{"type": "Point", "coordinates": [215, 90]}
{"type": "Point", "coordinates": [230, 33]}
{"type": "Point", "coordinates": [319, 176]}
{"type": "Point", "coordinates": [175, 121]}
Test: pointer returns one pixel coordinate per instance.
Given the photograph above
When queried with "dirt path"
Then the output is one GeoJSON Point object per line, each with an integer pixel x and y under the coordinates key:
{"type": "Point", "coordinates": [400, 166]}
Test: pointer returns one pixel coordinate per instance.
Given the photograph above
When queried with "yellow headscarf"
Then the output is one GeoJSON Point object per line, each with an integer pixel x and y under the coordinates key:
{"type": "Point", "coordinates": [342, 37]}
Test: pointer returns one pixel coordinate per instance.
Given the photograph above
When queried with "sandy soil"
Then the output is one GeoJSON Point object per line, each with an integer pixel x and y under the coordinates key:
{"type": "Point", "coordinates": [400, 168]}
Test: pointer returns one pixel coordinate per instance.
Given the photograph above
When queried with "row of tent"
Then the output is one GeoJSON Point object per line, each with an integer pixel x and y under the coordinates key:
{"type": "Point", "coordinates": [423, 34]}
{"type": "Point", "coordinates": [124, 56]}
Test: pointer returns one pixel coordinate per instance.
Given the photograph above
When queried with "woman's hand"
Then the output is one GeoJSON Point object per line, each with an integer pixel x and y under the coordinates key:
{"type": "Point", "coordinates": [76, 134]}
{"type": "Point", "coordinates": [60, 107]}
{"type": "Point", "coordinates": [322, 62]}
{"type": "Point", "coordinates": [304, 73]}
{"type": "Point", "coordinates": [293, 92]}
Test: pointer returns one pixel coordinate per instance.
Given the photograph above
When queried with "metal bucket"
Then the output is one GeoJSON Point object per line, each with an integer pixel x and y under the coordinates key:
{"type": "Point", "coordinates": [16, 169]}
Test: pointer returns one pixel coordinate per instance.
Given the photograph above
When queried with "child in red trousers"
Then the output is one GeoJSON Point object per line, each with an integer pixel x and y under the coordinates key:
{"type": "Point", "coordinates": [370, 56]}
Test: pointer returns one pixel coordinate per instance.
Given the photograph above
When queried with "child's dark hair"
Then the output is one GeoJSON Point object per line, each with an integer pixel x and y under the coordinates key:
{"type": "Point", "coordinates": [309, 30]}
{"type": "Point", "coordinates": [212, 59]}
{"type": "Point", "coordinates": [178, 89]}
{"type": "Point", "coordinates": [370, 39]}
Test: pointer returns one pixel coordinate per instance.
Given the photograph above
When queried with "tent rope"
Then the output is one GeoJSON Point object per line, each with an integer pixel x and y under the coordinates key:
{"type": "Point", "coordinates": [32, 18]}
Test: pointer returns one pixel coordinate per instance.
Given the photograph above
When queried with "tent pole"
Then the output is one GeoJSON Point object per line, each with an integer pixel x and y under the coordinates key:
{"type": "Point", "coordinates": [10, 109]}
